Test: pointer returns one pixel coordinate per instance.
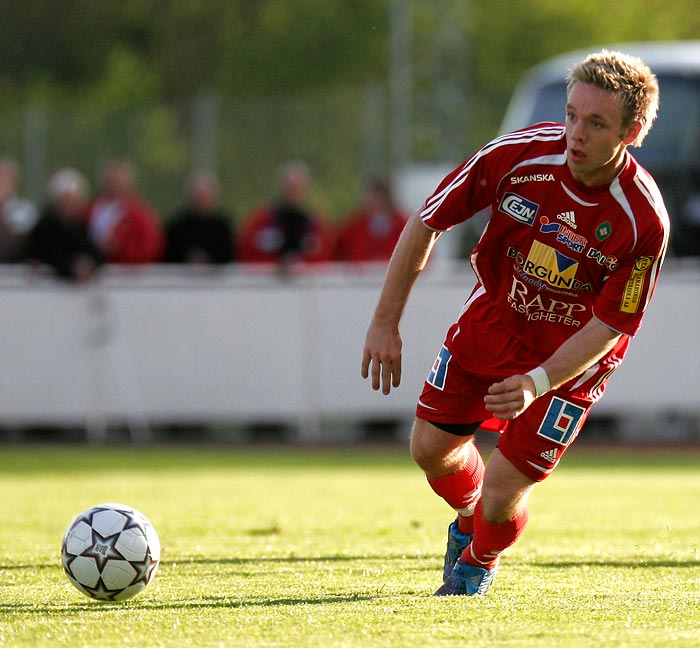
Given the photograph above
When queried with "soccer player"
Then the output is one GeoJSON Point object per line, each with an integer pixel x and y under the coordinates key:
{"type": "Point", "coordinates": [565, 269]}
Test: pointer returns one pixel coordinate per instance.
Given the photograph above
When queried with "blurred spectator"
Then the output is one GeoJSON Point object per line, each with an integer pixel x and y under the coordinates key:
{"type": "Point", "coordinates": [17, 215]}
{"type": "Point", "coordinates": [287, 230]}
{"type": "Point", "coordinates": [60, 238]}
{"type": "Point", "coordinates": [371, 232]}
{"type": "Point", "coordinates": [125, 228]}
{"type": "Point", "coordinates": [201, 232]}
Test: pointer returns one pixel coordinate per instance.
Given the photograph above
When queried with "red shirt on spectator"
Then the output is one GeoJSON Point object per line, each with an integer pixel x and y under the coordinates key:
{"type": "Point", "coordinates": [371, 232]}
{"type": "Point", "coordinates": [125, 228]}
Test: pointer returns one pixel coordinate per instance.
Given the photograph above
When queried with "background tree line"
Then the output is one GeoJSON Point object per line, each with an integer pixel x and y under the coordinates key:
{"type": "Point", "coordinates": [289, 78]}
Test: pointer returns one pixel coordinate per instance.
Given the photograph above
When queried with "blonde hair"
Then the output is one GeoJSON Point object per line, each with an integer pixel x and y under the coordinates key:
{"type": "Point", "coordinates": [627, 77]}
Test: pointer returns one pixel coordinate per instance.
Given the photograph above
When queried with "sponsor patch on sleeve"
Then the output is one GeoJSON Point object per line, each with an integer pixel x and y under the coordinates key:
{"type": "Point", "coordinates": [632, 294]}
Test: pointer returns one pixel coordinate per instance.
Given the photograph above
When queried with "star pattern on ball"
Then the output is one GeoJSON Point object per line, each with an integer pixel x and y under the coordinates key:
{"type": "Point", "coordinates": [145, 569]}
{"type": "Point", "coordinates": [103, 549]}
{"type": "Point", "coordinates": [108, 552]}
{"type": "Point", "coordinates": [101, 592]}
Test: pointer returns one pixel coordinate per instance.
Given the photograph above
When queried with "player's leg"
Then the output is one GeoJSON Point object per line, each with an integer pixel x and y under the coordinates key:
{"type": "Point", "coordinates": [502, 513]}
{"type": "Point", "coordinates": [448, 413]}
{"type": "Point", "coordinates": [528, 451]}
{"type": "Point", "coordinates": [454, 469]}
{"type": "Point", "coordinates": [499, 520]}
{"type": "Point", "coordinates": [452, 464]}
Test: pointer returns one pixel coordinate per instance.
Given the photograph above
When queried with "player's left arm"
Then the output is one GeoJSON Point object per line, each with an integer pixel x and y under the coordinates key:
{"type": "Point", "coordinates": [512, 396]}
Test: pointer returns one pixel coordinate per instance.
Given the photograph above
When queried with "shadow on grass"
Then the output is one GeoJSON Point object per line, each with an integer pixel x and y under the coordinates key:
{"type": "Point", "coordinates": [297, 559]}
{"type": "Point", "coordinates": [255, 561]}
{"type": "Point", "coordinates": [228, 602]}
{"type": "Point", "coordinates": [422, 561]}
{"type": "Point", "coordinates": [216, 602]}
{"type": "Point", "coordinates": [208, 602]}
{"type": "Point", "coordinates": [621, 564]}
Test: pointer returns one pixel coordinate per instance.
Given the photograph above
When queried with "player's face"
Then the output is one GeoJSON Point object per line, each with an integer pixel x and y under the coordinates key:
{"type": "Point", "coordinates": [595, 136]}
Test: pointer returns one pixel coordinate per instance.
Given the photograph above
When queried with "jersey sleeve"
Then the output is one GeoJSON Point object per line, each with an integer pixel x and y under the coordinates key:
{"type": "Point", "coordinates": [473, 185]}
{"type": "Point", "coordinates": [628, 290]}
{"type": "Point", "coordinates": [462, 193]}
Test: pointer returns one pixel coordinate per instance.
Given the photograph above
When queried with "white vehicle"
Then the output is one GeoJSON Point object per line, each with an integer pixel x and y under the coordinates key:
{"type": "Point", "coordinates": [671, 152]}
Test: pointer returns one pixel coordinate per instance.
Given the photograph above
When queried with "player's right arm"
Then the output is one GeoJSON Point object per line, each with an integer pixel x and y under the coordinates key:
{"type": "Point", "coordinates": [382, 353]}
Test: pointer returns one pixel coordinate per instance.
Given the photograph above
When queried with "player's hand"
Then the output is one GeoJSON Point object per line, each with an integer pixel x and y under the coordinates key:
{"type": "Point", "coordinates": [510, 397]}
{"type": "Point", "coordinates": [382, 357]}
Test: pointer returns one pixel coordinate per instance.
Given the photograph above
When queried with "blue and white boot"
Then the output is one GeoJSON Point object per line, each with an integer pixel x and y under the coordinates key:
{"type": "Point", "coordinates": [457, 542]}
{"type": "Point", "coordinates": [467, 580]}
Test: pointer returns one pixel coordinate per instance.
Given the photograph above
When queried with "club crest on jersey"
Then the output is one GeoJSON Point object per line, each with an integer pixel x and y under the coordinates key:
{"type": "Point", "coordinates": [603, 231]}
{"type": "Point", "coordinates": [519, 208]}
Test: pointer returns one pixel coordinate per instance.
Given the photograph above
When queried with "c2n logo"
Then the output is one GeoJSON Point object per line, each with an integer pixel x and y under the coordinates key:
{"type": "Point", "coordinates": [438, 374]}
{"type": "Point", "coordinates": [519, 208]}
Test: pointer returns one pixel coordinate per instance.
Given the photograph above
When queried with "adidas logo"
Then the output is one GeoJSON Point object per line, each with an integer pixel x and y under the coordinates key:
{"type": "Point", "coordinates": [569, 218]}
{"type": "Point", "coordinates": [549, 455]}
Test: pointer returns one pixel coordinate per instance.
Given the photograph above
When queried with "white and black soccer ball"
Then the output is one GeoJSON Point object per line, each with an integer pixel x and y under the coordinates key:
{"type": "Point", "coordinates": [110, 552]}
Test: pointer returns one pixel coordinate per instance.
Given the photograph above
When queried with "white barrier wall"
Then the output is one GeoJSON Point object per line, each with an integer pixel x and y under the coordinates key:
{"type": "Point", "coordinates": [164, 345]}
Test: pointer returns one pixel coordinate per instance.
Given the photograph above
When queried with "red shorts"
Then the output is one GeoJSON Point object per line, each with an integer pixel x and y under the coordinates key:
{"type": "Point", "coordinates": [534, 442]}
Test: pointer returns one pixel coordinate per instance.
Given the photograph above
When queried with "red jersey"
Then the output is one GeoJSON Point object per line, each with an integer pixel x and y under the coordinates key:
{"type": "Point", "coordinates": [554, 254]}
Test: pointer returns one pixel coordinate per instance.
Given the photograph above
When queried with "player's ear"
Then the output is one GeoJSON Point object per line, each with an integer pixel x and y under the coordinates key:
{"type": "Point", "coordinates": [629, 137]}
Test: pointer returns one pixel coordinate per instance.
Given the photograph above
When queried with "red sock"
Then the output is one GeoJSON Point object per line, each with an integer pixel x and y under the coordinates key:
{"type": "Point", "coordinates": [490, 540]}
{"type": "Point", "coordinates": [461, 490]}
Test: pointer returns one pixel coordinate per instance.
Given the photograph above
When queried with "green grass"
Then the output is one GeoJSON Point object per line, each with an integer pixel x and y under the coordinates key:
{"type": "Point", "coordinates": [344, 548]}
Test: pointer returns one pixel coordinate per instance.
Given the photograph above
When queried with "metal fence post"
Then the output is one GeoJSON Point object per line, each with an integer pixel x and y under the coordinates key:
{"type": "Point", "coordinates": [205, 131]}
{"type": "Point", "coordinates": [34, 138]}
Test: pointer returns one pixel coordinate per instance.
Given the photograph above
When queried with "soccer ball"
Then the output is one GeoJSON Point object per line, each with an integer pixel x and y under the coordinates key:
{"type": "Point", "coordinates": [110, 552]}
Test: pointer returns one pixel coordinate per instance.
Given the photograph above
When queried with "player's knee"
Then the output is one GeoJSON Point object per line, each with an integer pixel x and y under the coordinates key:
{"type": "Point", "coordinates": [499, 507]}
{"type": "Point", "coordinates": [424, 451]}
{"type": "Point", "coordinates": [420, 450]}
{"type": "Point", "coordinates": [505, 490]}
{"type": "Point", "coordinates": [500, 503]}
{"type": "Point", "coordinates": [436, 452]}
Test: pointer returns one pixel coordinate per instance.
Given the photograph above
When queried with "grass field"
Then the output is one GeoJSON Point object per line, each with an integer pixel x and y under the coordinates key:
{"type": "Point", "coordinates": [281, 547]}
